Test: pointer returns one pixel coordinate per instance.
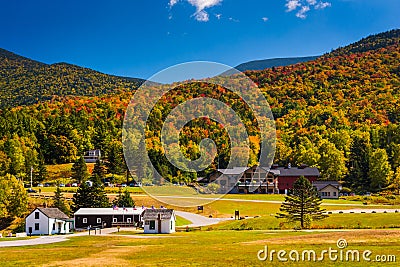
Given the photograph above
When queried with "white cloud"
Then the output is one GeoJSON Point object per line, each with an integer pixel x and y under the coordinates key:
{"type": "Point", "coordinates": [322, 5]}
{"type": "Point", "coordinates": [292, 5]}
{"type": "Point", "coordinates": [172, 2]}
{"type": "Point", "coordinates": [265, 19]}
{"type": "Point", "coordinates": [303, 6]}
{"type": "Point", "coordinates": [201, 16]}
{"type": "Point", "coordinates": [218, 16]}
{"type": "Point", "coordinates": [302, 13]}
{"type": "Point", "coordinates": [201, 5]}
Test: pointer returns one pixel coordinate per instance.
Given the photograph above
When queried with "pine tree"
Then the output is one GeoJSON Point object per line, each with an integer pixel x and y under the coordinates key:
{"type": "Point", "coordinates": [90, 197]}
{"type": "Point", "coordinates": [302, 204]}
{"type": "Point", "coordinates": [41, 172]}
{"type": "Point", "coordinates": [124, 200]}
{"type": "Point", "coordinates": [99, 172]}
{"type": "Point", "coordinates": [58, 201]}
{"type": "Point", "coordinates": [79, 170]}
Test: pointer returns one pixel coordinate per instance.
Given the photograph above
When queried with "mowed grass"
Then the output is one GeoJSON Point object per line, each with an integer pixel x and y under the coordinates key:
{"type": "Point", "coordinates": [201, 248]}
{"type": "Point", "coordinates": [334, 221]}
{"type": "Point", "coordinates": [181, 221]}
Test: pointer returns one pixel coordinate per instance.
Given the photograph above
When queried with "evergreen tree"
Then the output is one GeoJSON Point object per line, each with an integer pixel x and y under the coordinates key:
{"type": "Point", "coordinates": [58, 201]}
{"type": "Point", "coordinates": [302, 204]}
{"type": "Point", "coordinates": [79, 170]}
{"type": "Point", "coordinates": [90, 197]}
{"type": "Point", "coordinates": [98, 173]}
{"type": "Point", "coordinates": [124, 199]}
{"type": "Point", "coordinates": [40, 173]}
{"type": "Point", "coordinates": [358, 164]}
{"type": "Point", "coordinates": [115, 158]}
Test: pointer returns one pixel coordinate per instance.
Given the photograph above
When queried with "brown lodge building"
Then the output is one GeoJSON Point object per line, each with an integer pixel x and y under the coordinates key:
{"type": "Point", "coordinates": [277, 180]}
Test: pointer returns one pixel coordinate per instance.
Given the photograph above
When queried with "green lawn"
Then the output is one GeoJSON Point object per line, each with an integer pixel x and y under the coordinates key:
{"type": "Point", "coordinates": [181, 221]}
{"type": "Point", "coordinates": [200, 248]}
{"type": "Point", "coordinates": [334, 221]}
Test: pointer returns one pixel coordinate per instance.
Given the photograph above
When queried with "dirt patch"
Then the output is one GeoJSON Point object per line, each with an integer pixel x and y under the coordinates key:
{"type": "Point", "coordinates": [353, 236]}
{"type": "Point", "coordinates": [110, 257]}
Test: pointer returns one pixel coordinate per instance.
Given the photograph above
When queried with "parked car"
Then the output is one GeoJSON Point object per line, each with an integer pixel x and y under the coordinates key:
{"type": "Point", "coordinates": [74, 185]}
{"type": "Point", "coordinates": [47, 185]}
{"type": "Point", "coordinates": [123, 185]}
{"type": "Point", "coordinates": [68, 185]}
{"type": "Point", "coordinates": [30, 190]}
{"type": "Point", "coordinates": [61, 185]}
{"type": "Point", "coordinates": [40, 185]}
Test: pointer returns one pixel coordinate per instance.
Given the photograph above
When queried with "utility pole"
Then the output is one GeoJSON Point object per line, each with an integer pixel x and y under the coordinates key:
{"type": "Point", "coordinates": [31, 175]}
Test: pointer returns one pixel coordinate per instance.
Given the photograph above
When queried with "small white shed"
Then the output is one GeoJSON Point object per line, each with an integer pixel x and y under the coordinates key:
{"type": "Point", "coordinates": [47, 221]}
{"type": "Point", "coordinates": [159, 221]}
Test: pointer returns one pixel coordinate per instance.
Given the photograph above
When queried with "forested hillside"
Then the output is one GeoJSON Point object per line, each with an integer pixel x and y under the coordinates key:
{"type": "Point", "coordinates": [24, 81]}
{"type": "Point", "coordinates": [339, 113]}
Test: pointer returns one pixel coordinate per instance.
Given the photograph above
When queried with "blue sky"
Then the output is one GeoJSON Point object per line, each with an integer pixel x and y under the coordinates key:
{"type": "Point", "coordinates": [138, 38]}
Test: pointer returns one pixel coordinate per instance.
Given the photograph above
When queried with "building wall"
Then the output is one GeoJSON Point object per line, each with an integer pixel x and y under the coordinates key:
{"type": "Point", "coordinates": [107, 219]}
{"type": "Point", "coordinates": [166, 226]}
{"type": "Point", "coordinates": [329, 192]}
{"type": "Point", "coordinates": [30, 221]}
{"type": "Point", "coordinates": [286, 182]}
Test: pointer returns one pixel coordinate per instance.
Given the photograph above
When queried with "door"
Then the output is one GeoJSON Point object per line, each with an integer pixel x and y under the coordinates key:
{"type": "Point", "coordinates": [159, 223]}
{"type": "Point", "coordinates": [59, 227]}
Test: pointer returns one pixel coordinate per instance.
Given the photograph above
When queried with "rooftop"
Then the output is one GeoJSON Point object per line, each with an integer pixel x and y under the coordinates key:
{"type": "Point", "coordinates": [152, 214]}
{"type": "Point", "coordinates": [53, 213]}
{"type": "Point", "coordinates": [110, 211]}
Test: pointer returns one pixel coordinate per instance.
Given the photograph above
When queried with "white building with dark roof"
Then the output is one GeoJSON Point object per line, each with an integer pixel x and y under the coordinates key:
{"type": "Point", "coordinates": [47, 221]}
{"type": "Point", "coordinates": [159, 221]}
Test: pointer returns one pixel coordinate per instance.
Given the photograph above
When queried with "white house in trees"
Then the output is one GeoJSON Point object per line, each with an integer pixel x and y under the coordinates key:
{"type": "Point", "coordinates": [47, 221]}
{"type": "Point", "coordinates": [159, 221]}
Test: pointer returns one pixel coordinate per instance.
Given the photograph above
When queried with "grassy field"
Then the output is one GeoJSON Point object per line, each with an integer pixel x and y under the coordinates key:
{"type": "Point", "coordinates": [201, 248]}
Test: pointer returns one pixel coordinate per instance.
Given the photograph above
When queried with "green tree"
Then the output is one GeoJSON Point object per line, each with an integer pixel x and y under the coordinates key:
{"type": "Point", "coordinates": [40, 173]}
{"type": "Point", "coordinates": [13, 197]}
{"type": "Point", "coordinates": [59, 201]}
{"type": "Point", "coordinates": [124, 199]}
{"type": "Point", "coordinates": [99, 172]}
{"type": "Point", "coordinates": [332, 163]}
{"type": "Point", "coordinates": [358, 164]}
{"type": "Point", "coordinates": [115, 158]}
{"type": "Point", "coordinates": [90, 197]}
{"type": "Point", "coordinates": [380, 172]}
{"type": "Point", "coordinates": [302, 204]}
{"type": "Point", "coordinates": [79, 170]}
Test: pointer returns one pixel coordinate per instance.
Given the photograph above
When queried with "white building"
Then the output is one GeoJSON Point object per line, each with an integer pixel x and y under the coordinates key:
{"type": "Point", "coordinates": [159, 221]}
{"type": "Point", "coordinates": [47, 221]}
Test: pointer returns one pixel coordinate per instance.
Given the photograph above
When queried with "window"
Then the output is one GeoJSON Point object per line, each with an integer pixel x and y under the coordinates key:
{"type": "Point", "coordinates": [329, 194]}
{"type": "Point", "coordinates": [115, 220]}
{"type": "Point", "coordinates": [171, 225]}
{"type": "Point", "coordinates": [98, 220]}
{"type": "Point", "coordinates": [129, 220]}
{"type": "Point", "coordinates": [37, 215]}
{"type": "Point", "coordinates": [84, 220]}
{"type": "Point", "coordinates": [54, 226]}
{"type": "Point", "coordinates": [334, 194]}
{"type": "Point", "coordinates": [152, 225]}
{"type": "Point", "coordinates": [36, 227]}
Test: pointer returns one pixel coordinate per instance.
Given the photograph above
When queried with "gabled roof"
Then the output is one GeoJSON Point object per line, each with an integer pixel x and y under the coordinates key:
{"type": "Point", "coordinates": [322, 184]}
{"type": "Point", "coordinates": [152, 214]}
{"type": "Point", "coordinates": [296, 171]}
{"type": "Point", "coordinates": [53, 213]}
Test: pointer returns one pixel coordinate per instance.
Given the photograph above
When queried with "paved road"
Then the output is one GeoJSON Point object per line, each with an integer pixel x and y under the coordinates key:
{"type": "Point", "coordinates": [34, 241]}
{"type": "Point", "coordinates": [198, 220]}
